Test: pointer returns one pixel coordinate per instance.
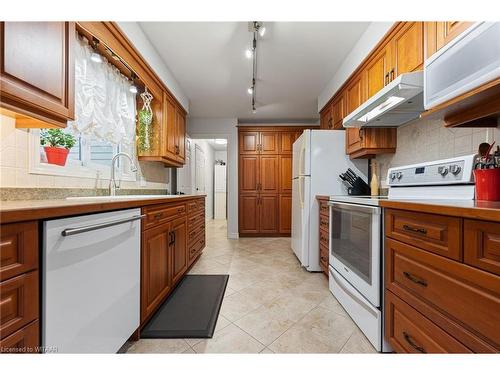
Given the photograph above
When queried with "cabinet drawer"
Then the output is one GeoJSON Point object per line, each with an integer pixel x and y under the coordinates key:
{"type": "Point", "coordinates": [198, 230]}
{"type": "Point", "coordinates": [467, 295]}
{"type": "Point", "coordinates": [25, 340]}
{"type": "Point", "coordinates": [196, 220]}
{"type": "Point", "coordinates": [482, 245]}
{"type": "Point", "coordinates": [196, 247]}
{"type": "Point", "coordinates": [196, 205]}
{"type": "Point", "coordinates": [323, 238]}
{"type": "Point", "coordinates": [324, 223]}
{"type": "Point", "coordinates": [440, 234]}
{"type": "Point", "coordinates": [18, 302]}
{"type": "Point", "coordinates": [162, 213]}
{"type": "Point", "coordinates": [324, 209]}
{"type": "Point", "coordinates": [18, 249]}
{"type": "Point", "coordinates": [408, 331]}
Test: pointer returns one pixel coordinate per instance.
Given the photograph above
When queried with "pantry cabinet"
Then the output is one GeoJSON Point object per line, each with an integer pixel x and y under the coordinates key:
{"type": "Point", "coordinates": [37, 72]}
{"type": "Point", "coordinates": [265, 179]}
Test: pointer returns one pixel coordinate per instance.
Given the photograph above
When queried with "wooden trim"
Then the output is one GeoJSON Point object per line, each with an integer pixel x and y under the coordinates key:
{"type": "Point", "coordinates": [369, 153]}
{"type": "Point", "coordinates": [272, 128]}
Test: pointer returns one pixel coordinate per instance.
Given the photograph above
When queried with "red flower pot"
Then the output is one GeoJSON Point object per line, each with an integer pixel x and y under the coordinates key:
{"type": "Point", "coordinates": [56, 155]}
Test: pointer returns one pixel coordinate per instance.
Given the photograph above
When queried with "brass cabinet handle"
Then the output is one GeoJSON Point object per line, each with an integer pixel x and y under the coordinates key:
{"type": "Point", "coordinates": [410, 341]}
{"type": "Point", "coordinates": [361, 134]}
{"type": "Point", "coordinates": [330, 123]}
{"type": "Point", "coordinates": [392, 74]}
{"type": "Point", "coordinates": [172, 238]}
{"type": "Point", "coordinates": [158, 216]}
{"type": "Point", "coordinates": [413, 229]}
{"type": "Point", "coordinates": [415, 279]}
{"type": "Point", "coordinates": [180, 209]}
{"type": "Point", "coordinates": [386, 79]}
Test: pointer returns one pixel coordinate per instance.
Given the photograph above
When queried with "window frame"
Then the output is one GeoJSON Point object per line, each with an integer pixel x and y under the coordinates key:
{"type": "Point", "coordinates": [86, 169]}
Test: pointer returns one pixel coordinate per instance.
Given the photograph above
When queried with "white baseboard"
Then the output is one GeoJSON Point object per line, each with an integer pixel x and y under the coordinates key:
{"type": "Point", "coordinates": [233, 236]}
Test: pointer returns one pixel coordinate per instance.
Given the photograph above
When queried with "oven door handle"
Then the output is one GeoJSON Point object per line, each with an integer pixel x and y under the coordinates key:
{"type": "Point", "coordinates": [362, 303]}
{"type": "Point", "coordinates": [356, 207]}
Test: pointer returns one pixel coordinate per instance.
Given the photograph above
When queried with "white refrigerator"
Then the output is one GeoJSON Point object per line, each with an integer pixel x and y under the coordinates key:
{"type": "Point", "coordinates": [318, 159]}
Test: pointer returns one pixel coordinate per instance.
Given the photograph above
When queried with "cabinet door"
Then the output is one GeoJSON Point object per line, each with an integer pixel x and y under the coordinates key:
{"type": "Point", "coordinates": [285, 179]}
{"type": "Point", "coordinates": [156, 276]}
{"type": "Point", "coordinates": [37, 69]}
{"type": "Point", "coordinates": [269, 211]}
{"type": "Point", "coordinates": [325, 119]}
{"type": "Point", "coordinates": [449, 30]}
{"type": "Point", "coordinates": [338, 111]}
{"type": "Point", "coordinates": [407, 50]}
{"type": "Point", "coordinates": [269, 142]}
{"type": "Point", "coordinates": [377, 71]}
{"type": "Point", "coordinates": [249, 214]}
{"type": "Point", "coordinates": [249, 174]}
{"type": "Point", "coordinates": [286, 142]}
{"type": "Point", "coordinates": [249, 142]}
{"type": "Point", "coordinates": [269, 174]}
{"type": "Point", "coordinates": [169, 129]}
{"type": "Point", "coordinates": [285, 215]}
{"type": "Point", "coordinates": [180, 134]}
{"type": "Point", "coordinates": [355, 93]}
{"type": "Point", "coordinates": [178, 248]}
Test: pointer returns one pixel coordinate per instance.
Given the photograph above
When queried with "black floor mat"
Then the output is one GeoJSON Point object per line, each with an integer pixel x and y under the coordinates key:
{"type": "Point", "coordinates": [191, 311]}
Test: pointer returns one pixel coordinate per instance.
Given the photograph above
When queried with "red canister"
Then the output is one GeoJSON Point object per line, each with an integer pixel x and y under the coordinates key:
{"type": "Point", "coordinates": [487, 184]}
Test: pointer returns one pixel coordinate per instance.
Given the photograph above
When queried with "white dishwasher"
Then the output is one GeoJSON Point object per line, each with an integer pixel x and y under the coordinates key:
{"type": "Point", "coordinates": [91, 282]}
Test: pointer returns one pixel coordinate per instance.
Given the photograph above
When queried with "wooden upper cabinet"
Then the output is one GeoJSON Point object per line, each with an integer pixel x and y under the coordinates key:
{"type": "Point", "coordinates": [355, 93]}
{"type": "Point", "coordinates": [269, 142]}
{"type": "Point", "coordinates": [180, 135]}
{"type": "Point", "coordinates": [249, 173]}
{"type": "Point", "coordinates": [438, 34]}
{"type": "Point", "coordinates": [325, 118]}
{"type": "Point", "coordinates": [269, 174]}
{"type": "Point", "coordinates": [37, 71]}
{"type": "Point", "coordinates": [169, 129]}
{"type": "Point", "coordinates": [286, 142]}
{"type": "Point", "coordinates": [338, 111]}
{"type": "Point", "coordinates": [407, 49]}
{"type": "Point", "coordinates": [377, 71]}
{"type": "Point", "coordinates": [249, 142]}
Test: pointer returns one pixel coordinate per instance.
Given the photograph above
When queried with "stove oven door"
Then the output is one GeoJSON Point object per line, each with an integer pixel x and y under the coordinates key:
{"type": "Point", "coordinates": [355, 247]}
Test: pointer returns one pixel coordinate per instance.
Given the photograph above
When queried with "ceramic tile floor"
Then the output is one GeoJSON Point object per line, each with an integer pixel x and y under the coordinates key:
{"type": "Point", "coordinates": [271, 304]}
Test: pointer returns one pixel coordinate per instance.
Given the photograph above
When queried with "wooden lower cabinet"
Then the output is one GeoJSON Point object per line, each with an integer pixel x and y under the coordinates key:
{"type": "Point", "coordinates": [436, 300]}
{"type": "Point", "coordinates": [19, 288]}
{"type": "Point", "coordinates": [249, 217]}
{"type": "Point", "coordinates": [179, 260]}
{"type": "Point", "coordinates": [285, 214]}
{"type": "Point", "coordinates": [166, 253]}
{"type": "Point", "coordinates": [268, 212]}
{"type": "Point", "coordinates": [324, 233]}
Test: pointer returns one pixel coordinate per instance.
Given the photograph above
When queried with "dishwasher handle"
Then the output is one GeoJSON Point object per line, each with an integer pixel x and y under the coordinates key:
{"type": "Point", "coordinates": [106, 224]}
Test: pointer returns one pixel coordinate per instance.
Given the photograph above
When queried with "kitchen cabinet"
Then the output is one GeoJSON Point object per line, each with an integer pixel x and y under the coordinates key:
{"type": "Point", "coordinates": [37, 72]}
{"type": "Point", "coordinates": [407, 49]}
{"type": "Point", "coordinates": [377, 71]}
{"type": "Point", "coordinates": [324, 233]}
{"type": "Point", "coordinates": [166, 253]}
{"type": "Point", "coordinates": [325, 118]}
{"type": "Point", "coordinates": [439, 34]}
{"type": "Point", "coordinates": [338, 111]}
{"type": "Point", "coordinates": [430, 260]}
{"type": "Point", "coordinates": [180, 135]}
{"type": "Point", "coordinates": [19, 287]}
{"type": "Point", "coordinates": [178, 243]}
{"type": "Point", "coordinates": [265, 179]}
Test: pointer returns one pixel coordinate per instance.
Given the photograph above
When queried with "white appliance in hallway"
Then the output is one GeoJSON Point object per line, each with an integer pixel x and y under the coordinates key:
{"type": "Point", "coordinates": [91, 281]}
{"type": "Point", "coordinates": [318, 159]}
{"type": "Point", "coordinates": [220, 191]}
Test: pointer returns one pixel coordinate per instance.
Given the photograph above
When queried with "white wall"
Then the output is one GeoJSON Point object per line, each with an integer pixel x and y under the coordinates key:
{"type": "Point", "coordinates": [147, 50]}
{"type": "Point", "coordinates": [361, 49]}
{"type": "Point", "coordinates": [223, 128]}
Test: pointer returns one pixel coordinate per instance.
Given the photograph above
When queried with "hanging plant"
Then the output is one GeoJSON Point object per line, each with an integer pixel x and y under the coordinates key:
{"type": "Point", "coordinates": [145, 118]}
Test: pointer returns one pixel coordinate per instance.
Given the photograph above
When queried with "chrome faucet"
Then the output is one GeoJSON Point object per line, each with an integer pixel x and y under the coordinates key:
{"type": "Point", "coordinates": [112, 182]}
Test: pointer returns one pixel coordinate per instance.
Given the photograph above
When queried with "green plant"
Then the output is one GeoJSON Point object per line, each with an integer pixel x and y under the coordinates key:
{"type": "Point", "coordinates": [56, 138]}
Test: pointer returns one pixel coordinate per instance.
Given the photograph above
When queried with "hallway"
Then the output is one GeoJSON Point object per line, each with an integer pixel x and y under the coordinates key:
{"type": "Point", "coordinates": [271, 304]}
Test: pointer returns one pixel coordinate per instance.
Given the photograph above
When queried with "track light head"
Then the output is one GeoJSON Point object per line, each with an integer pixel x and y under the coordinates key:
{"type": "Point", "coordinates": [250, 90]}
{"type": "Point", "coordinates": [262, 31]}
{"type": "Point", "coordinates": [248, 53]}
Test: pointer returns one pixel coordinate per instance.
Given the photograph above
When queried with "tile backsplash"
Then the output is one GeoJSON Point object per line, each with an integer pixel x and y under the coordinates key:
{"type": "Point", "coordinates": [14, 171]}
{"type": "Point", "coordinates": [426, 140]}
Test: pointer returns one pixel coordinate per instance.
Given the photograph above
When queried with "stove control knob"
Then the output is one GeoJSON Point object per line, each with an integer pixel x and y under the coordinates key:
{"type": "Point", "coordinates": [443, 171]}
{"type": "Point", "coordinates": [455, 169]}
{"type": "Point", "coordinates": [393, 176]}
{"type": "Point", "coordinates": [399, 175]}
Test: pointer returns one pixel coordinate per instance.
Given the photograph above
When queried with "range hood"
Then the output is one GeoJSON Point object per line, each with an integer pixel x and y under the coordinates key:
{"type": "Point", "coordinates": [399, 102]}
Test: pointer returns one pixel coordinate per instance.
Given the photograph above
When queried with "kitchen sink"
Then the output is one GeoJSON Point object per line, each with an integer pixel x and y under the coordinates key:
{"type": "Point", "coordinates": [122, 197]}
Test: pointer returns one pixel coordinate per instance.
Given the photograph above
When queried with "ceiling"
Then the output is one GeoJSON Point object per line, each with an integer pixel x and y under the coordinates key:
{"type": "Point", "coordinates": [295, 62]}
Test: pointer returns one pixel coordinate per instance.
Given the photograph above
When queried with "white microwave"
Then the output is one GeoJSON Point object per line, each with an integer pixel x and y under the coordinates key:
{"type": "Point", "coordinates": [467, 62]}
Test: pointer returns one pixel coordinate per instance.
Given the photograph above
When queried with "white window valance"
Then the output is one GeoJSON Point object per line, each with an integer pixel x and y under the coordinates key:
{"type": "Point", "coordinates": [104, 106]}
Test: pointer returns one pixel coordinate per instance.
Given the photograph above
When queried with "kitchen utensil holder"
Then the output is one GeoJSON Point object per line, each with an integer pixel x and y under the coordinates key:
{"type": "Point", "coordinates": [487, 184]}
{"type": "Point", "coordinates": [359, 187]}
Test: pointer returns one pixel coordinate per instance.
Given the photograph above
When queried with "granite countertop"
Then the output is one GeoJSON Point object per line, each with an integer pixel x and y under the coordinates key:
{"type": "Point", "coordinates": [23, 210]}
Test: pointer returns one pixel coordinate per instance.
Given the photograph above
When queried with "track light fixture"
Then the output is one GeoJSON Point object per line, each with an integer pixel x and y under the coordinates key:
{"type": "Point", "coordinates": [257, 29]}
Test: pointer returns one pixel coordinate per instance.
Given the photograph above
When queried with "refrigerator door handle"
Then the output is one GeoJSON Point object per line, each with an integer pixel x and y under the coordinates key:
{"type": "Point", "coordinates": [301, 192]}
{"type": "Point", "coordinates": [301, 159]}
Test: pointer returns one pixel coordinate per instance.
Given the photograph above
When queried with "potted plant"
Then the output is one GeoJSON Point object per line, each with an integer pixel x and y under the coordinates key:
{"type": "Point", "coordinates": [56, 145]}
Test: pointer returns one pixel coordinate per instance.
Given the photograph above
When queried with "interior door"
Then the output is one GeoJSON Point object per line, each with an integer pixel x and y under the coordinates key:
{"type": "Point", "coordinates": [200, 161]}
